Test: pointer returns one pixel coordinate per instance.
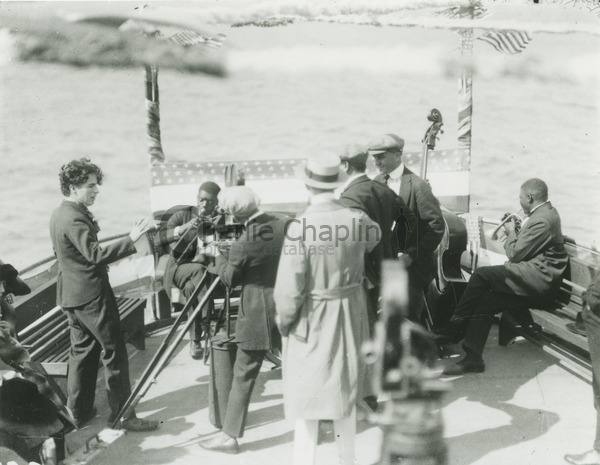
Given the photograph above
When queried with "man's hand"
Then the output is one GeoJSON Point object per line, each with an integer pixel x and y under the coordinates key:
{"type": "Point", "coordinates": [509, 226]}
{"type": "Point", "coordinates": [186, 226]}
{"type": "Point", "coordinates": [405, 259]}
{"type": "Point", "coordinates": [139, 229]}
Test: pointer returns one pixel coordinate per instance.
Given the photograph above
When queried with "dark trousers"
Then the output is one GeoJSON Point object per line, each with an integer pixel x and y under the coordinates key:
{"type": "Point", "coordinates": [592, 328]}
{"type": "Point", "coordinates": [486, 295]}
{"type": "Point", "coordinates": [245, 371]}
{"type": "Point", "coordinates": [96, 332]}
{"type": "Point", "coordinates": [186, 278]}
{"type": "Point", "coordinates": [372, 308]}
{"type": "Point", "coordinates": [416, 287]}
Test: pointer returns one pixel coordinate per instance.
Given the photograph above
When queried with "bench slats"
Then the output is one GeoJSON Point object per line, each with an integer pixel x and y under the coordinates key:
{"type": "Point", "coordinates": [554, 324]}
{"type": "Point", "coordinates": [48, 337]}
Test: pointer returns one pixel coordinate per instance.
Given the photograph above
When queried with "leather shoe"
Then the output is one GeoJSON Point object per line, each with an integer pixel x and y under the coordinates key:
{"type": "Point", "coordinates": [196, 350]}
{"type": "Point", "coordinates": [465, 365]}
{"type": "Point", "coordinates": [81, 420]}
{"type": "Point", "coordinates": [591, 457]}
{"type": "Point", "coordinates": [221, 444]}
{"type": "Point", "coordinates": [138, 424]}
{"type": "Point", "coordinates": [371, 403]}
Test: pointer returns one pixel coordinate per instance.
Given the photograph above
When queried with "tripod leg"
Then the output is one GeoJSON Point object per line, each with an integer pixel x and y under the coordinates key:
{"type": "Point", "coordinates": [164, 352]}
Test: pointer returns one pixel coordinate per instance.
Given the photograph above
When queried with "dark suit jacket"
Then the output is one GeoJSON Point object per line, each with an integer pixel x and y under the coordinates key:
{"type": "Point", "coordinates": [82, 263]}
{"type": "Point", "coordinates": [253, 262]}
{"type": "Point", "coordinates": [536, 255]}
{"type": "Point", "coordinates": [383, 206]}
{"type": "Point", "coordinates": [417, 194]}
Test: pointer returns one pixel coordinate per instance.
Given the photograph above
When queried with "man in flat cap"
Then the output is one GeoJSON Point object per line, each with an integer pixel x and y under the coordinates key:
{"type": "Point", "coordinates": [430, 226]}
{"type": "Point", "coordinates": [384, 207]}
{"type": "Point", "coordinates": [186, 266]}
{"type": "Point", "coordinates": [321, 301]}
{"type": "Point", "coordinates": [252, 263]}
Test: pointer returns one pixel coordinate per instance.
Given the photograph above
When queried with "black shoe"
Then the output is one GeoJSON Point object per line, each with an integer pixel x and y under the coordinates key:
{"type": "Point", "coordinates": [138, 424]}
{"type": "Point", "coordinates": [220, 444]}
{"type": "Point", "coordinates": [196, 350]}
{"type": "Point", "coordinates": [371, 403]}
{"type": "Point", "coordinates": [81, 420]}
{"type": "Point", "coordinates": [465, 365]}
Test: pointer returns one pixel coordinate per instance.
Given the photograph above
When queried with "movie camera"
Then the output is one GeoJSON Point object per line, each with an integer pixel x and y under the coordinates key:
{"type": "Point", "coordinates": [213, 233]}
{"type": "Point", "coordinates": [406, 375]}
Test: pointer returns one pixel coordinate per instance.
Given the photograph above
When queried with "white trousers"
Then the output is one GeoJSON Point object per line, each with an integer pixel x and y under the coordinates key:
{"type": "Point", "coordinates": [306, 435]}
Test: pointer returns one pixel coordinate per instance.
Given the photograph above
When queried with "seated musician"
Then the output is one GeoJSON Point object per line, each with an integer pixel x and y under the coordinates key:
{"type": "Point", "coordinates": [252, 262]}
{"type": "Point", "coordinates": [186, 265]}
{"type": "Point", "coordinates": [531, 277]}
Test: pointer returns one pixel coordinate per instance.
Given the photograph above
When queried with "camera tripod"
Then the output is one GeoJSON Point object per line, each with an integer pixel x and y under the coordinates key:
{"type": "Point", "coordinates": [168, 346]}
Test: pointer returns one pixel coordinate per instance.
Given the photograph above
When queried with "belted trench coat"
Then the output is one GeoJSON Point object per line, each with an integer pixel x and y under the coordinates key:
{"type": "Point", "coordinates": [321, 310]}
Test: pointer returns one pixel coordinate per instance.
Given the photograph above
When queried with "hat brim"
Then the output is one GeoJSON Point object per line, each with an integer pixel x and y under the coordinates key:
{"type": "Point", "coordinates": [377, 151]}
{"type": "Point", "coordinates": [301, 174]}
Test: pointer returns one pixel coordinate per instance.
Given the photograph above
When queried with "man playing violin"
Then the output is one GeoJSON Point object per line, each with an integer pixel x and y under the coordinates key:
{"type": "Point", "coordinates": [531, 277]}
{"type": "Point", "coordinates": [186, 266]}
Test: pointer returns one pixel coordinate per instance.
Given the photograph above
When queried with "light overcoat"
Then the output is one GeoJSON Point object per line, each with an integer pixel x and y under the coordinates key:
{"type": "Point", "coordinates": [321, 310]}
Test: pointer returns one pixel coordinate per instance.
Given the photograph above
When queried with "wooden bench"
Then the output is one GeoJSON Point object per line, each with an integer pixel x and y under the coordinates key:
{"type": "Point", "coordinates": [552, 328]}
{"type": "Point", "coordinates": [48, 340]}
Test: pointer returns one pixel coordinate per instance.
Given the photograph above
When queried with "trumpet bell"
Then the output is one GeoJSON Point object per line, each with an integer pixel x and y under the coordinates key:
{"type": "Point", "coordinates": [505, 219]}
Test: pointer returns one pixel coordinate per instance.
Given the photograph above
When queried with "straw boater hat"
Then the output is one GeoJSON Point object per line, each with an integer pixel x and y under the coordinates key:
{"type": "Point", "coordinates": [322, 172]}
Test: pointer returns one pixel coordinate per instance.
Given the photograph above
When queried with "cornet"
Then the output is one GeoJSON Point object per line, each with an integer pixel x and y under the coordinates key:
{"type": "Point", "coordinates": [505, 219]}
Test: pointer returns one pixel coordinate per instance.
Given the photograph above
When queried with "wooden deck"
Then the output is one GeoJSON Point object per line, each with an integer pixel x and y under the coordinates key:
{"type": "Point", "coordinates": [525, 409]}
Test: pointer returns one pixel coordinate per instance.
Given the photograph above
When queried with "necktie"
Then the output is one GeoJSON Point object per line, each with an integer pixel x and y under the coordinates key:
{"type": "Point", "coordinates": [386, 178]}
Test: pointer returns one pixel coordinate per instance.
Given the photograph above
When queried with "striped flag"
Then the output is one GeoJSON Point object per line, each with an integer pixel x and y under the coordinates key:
{"type": "Point", "coordinates": [189, 38]}
{"type": "Point", "coordinates": [447, 173]}
{"type": "Point", "coordinates": [176, 183]}
{"type": "Point", "coordinates": [510, 42]}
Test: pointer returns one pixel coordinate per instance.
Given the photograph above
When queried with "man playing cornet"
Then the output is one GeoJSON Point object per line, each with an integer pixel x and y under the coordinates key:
{"type": "Point", "coordinates": [186, 266]}
{"type": "Point", "coordinates": [531, 277]}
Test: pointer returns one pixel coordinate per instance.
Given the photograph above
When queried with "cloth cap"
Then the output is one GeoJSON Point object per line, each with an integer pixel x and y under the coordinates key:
{"type": "Point", "coordinates": [386, 143]}
{"type": "Point", "coordinates": [322, 172]}
{"type": "Point", "coordinates": [239, 201]}
{"type": "Point", "coordinates": [13, 284]}
{"type": "Point", "coordinates": [354, 152]}
{"type": "Point", "coordinates": [211, 187]}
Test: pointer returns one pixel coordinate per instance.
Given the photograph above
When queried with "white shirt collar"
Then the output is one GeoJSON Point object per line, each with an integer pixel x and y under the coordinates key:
{"type": "Point", "coordinates": [397, 172]}
{"type": "Point", "coordinates": [538, 206]}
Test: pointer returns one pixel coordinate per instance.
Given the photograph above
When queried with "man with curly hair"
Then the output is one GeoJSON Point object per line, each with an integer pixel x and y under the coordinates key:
{"type": "Point", "coordinates": [85, 295]}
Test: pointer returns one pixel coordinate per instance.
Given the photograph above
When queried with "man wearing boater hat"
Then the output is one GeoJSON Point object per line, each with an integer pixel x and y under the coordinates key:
{"type": "Point", "coordinates": [321, 312]}
{"type": "Point", "coordinates": [417, 194]}
{"type": "Point", "coordinates": [384, 207]}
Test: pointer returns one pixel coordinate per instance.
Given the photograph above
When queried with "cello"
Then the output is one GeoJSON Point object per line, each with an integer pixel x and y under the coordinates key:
{"type": "Point", "coordinates": [444, 292]}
